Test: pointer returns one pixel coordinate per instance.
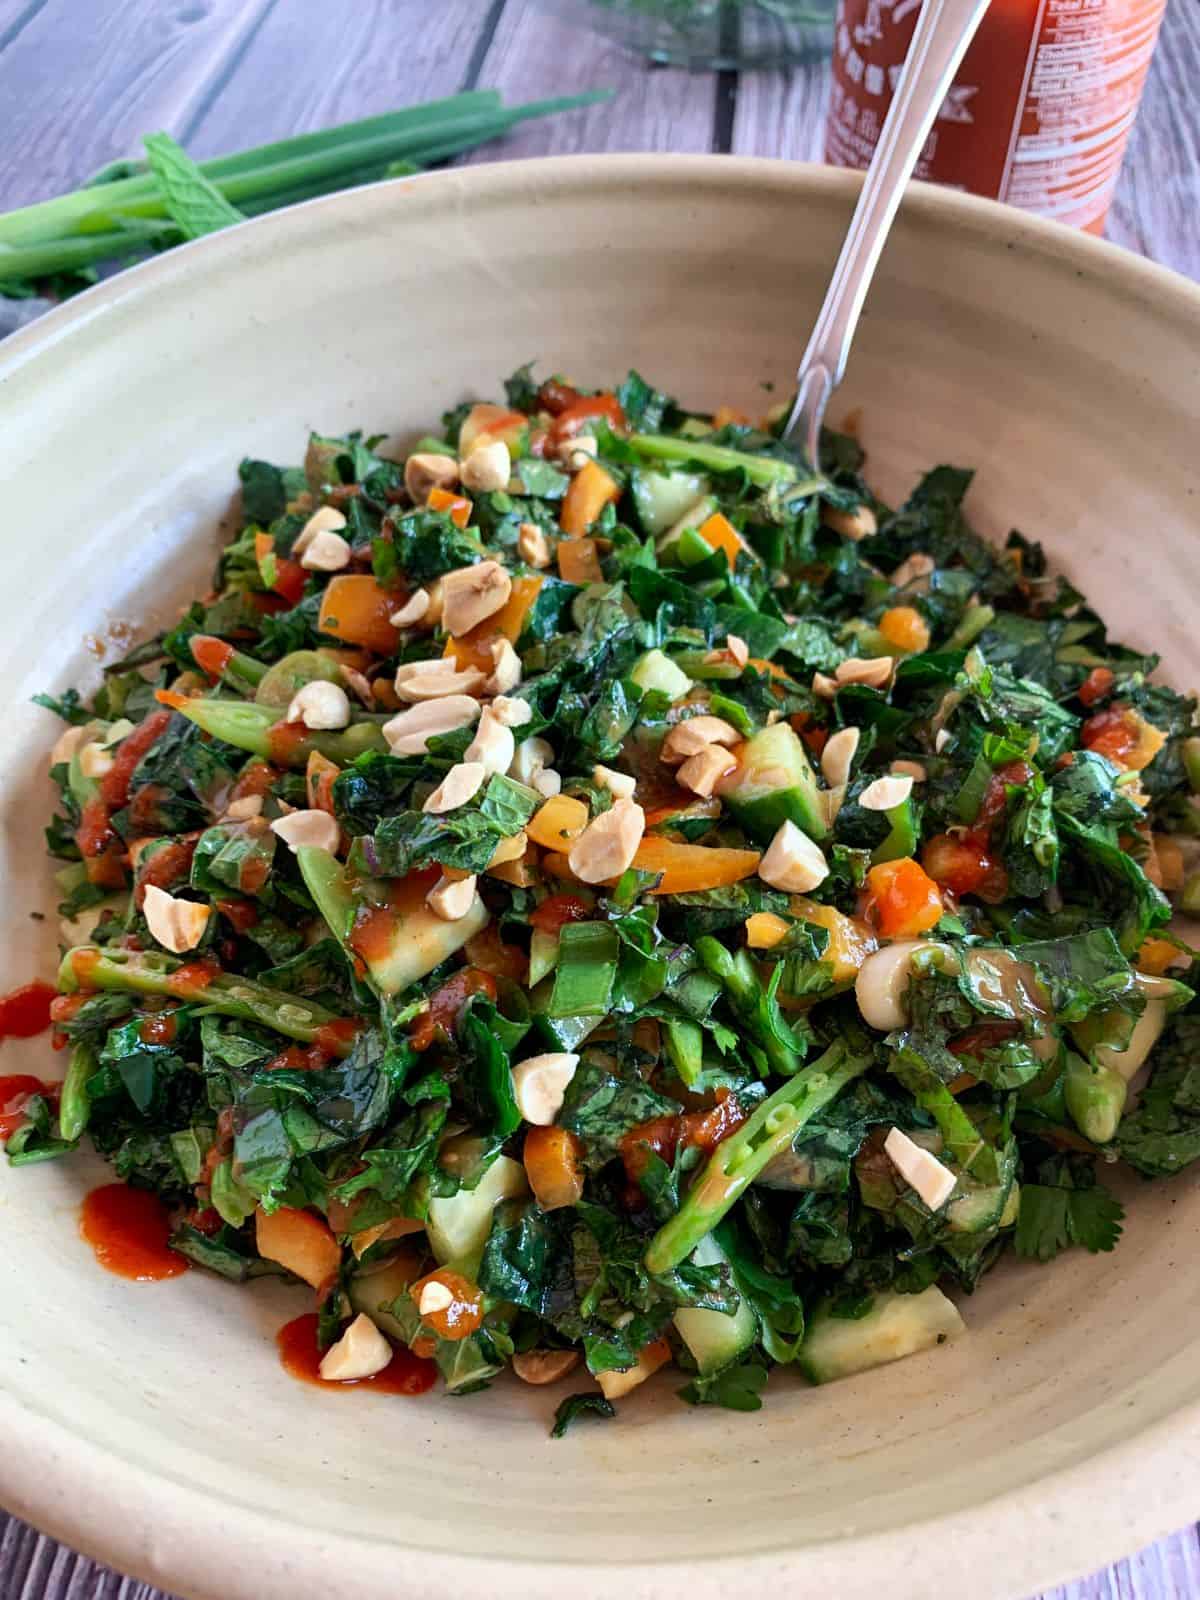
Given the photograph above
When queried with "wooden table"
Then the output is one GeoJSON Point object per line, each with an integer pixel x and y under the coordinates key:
{"type": "Point", "coordinates": [81, 80]}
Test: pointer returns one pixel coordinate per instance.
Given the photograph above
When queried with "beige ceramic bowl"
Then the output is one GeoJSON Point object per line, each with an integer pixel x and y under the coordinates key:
{"type": "Point", "coordinates": [151, 1425]}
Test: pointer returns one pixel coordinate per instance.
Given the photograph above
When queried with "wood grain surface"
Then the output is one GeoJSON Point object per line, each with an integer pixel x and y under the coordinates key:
{"type": "Point", "coordinates": [81, 80]}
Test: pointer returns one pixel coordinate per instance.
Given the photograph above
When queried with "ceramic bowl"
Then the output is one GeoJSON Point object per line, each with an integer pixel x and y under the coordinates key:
{"type": "Point", "coordinates": [151, 1425]}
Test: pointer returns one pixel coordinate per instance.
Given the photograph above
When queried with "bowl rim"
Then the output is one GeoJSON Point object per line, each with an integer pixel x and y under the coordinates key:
{"type": "Point", "coordinates": [1072, 1520]}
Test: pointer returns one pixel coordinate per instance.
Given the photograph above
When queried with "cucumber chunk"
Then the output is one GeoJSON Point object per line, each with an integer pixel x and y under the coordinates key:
{"type": "Point", "coordinates": [655, 670]}
{"type": "Point", "coordinates": [716, 1339]}
{"type": "Point", "coordinates": [662, 498]}
{"type": "Point", "coordinates": [458, 1228]}
{"type": "Point", "coordinates": [776, 784]}
{"type": "Point", "coordinates": [896, 1326]}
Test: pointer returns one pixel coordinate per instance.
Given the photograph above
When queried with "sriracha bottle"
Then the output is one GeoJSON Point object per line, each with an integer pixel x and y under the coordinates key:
{"type": "Point", "coordinates": [1039, 113]}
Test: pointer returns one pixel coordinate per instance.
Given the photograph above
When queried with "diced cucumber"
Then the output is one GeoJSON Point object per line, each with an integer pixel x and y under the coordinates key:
{"type": "Point", "coordinates": [668, 545]}
{"type": "Point", "coordinates": [977, 1209]}
{"type": "Point", "coordinates": [716, 1339]}
{"type": "Point", "coordinates": [543, 956]}
{"type": "Point", "coordinates": [685, 1047]}
{"type": "Point", "coordinates": [776, 784]}
{"type": "Point", "coordinates": [1108, 1037]}
{"type": "Point", "coordinates": [657, 671]}
{"type": "Point", "coordinates": [458, 1228]}
{"type": "Point", "coordinates": [326, 882]}
{"type": "Point", "coordinates": [376, 1292]}
{"type": "Point", "coordinates": [282, 682]}
{"type": "Point", "coordinates": [897, 1325]}
{"type": "Point", "coordinates": [902, 834]}
{"type": "Point", "coordinates": [416, 941]}
{"type": "Point", "coordinates": [662, 498]}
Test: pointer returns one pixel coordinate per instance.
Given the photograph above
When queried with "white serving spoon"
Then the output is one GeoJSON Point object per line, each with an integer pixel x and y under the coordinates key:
{"type": "Point", "coordinates": [944, 30]}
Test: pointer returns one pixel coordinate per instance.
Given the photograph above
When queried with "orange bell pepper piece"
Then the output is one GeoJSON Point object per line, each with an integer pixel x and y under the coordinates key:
{"type": "Point", "coordinates": [687, 867]}
{"type": "Point", "coordinates": [906, 899]}
{"type": "Point", "coordinates": [457, 506]}
{"type": "Point", "coordinates": [905, 629]}
{"type": "Point", "coordinates": [356, 609]}
{"type": "Point", "coordinates": [558, 822]}
{"type": "Point", "coordinates": [554, 1166]}
{"type": "Point", "coordinates": [591, 490]}
{"type": "Point", "coordinates": [1156, 955]}
{"type": "Point", "coordinates": [579, 561]}
{"type": "Point", "coordinates": [719, 532]}
{"type": "Point", "coordinates": [474, 649]}
{"type": "Point", "coordinates": [764, 929]}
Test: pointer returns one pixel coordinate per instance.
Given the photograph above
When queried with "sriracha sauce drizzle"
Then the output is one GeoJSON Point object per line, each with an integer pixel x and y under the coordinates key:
{"type": "Point", "coordinates": [128, 1230]}
{"type": "Point", "coordinates": [300, 1355]}
{"type": "Point", "coordinates": [25, 1012]}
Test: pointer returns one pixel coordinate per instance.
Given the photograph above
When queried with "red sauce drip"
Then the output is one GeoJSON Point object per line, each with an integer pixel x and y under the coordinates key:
{"type": "Point", "coordinates": [557, 911]}
{"type": "Point", "coordinates": [159, 1029]}
{"type": "Point", "coordinates": [114, 786]}
{"type": "Point", "coordinates": [205, 1220]}
{"type": "Point", "coordinates": [25, 1012]}
{"type": "Point", "coordinates": [1112, 733]}
{"type": "Point", "coordinates": [193, 977]}
{"type": "Point", "coordinates": [211, 655]}
{"type": "Point", "coordinates": [984, 1036]}
{"type": "Point", "coordinates": [555, 397]}
{"type": "Point", "coordinates": [254, 874]}
{"type": "Point", "coordinates": [570, 420]}
{"type": "Point", "coordinates": [83, 965]}
{"type": "Point", "coordinates": [336, 1038]}
{"type": "Point", "coordinates": [99, 845]}
{"type": "Point", "coordinates": [1096, 686]}
{"type": "Point", "coordinates": [297, 1059]}
{"type": "Point", "coordinates": [254, 779]}
{"type": "Point", "coordinates": [446, 1003]}
{"type": "Point", "coordinates": [146, 813]}
{"type": "Point", "coordinates": [65, 1006]}
{"type": "Point", "coordinates": [286, 742]}
{"type": "Point", "coordinates": [995, 796]}
{"type": "Point", "coordinates": [298, 1351]}
{"type": "Point", "coordinates": [128, 1230]}
{"type": "Point", "coordinates": [664, 1136]}
{"type": "Point", "coordinates": [243, 914]}
{"type": "Point", "coordinates": [16, 1091]}
{"type": "Point", "coordinates": [290, 578]}
{"type": "Point", "coordinates": [170, 864]}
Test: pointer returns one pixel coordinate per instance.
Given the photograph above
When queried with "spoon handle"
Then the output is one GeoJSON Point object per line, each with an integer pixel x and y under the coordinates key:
{"type": "Point", "coordinates": [944, 30]}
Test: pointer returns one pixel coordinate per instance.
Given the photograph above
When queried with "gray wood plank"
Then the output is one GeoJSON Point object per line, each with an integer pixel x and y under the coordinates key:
{"type": "Point", "coordinates": [1168, 1570]}
{"type": "Point", "coordinates": [653, 108]}
{"type": "Point", "coordinates": [782, 113]}
{"type": "Point", "coordinates": [76, 97]}
{"type": "Point", "coordinates": [326, 64]}
{"type": "Point", "coordinates": [1155, 206]}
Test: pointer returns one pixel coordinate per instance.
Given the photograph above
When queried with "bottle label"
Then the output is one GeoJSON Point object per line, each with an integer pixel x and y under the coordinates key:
{"type": "Point", "coordinates": [1039, 113]}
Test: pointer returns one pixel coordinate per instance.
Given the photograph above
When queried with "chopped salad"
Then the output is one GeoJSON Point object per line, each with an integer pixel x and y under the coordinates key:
{"type": "Point", "coordinates": [592, 895]}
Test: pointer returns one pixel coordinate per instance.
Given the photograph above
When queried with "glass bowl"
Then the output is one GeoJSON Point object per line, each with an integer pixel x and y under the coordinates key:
{"type": "Point", "coordinates": [706, 34]}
